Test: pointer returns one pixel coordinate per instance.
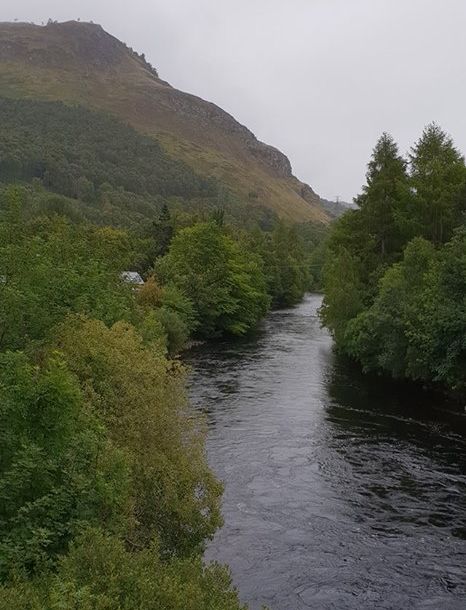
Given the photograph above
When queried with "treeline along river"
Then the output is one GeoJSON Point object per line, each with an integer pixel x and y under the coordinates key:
{"type": "Point", "coordinates": [341, 491]}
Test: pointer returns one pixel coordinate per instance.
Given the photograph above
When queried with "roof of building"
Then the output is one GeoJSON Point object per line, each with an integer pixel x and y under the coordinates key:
{"type": "Point", "coordinates": [132, 277]}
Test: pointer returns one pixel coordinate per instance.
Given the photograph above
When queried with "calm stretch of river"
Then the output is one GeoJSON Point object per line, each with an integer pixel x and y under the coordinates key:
{"type": "Point", "coordinates": [340, 492]}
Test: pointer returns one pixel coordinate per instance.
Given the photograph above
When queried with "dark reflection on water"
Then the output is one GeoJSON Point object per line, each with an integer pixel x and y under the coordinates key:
{"type": "Point", "coordinates": [340, 491]}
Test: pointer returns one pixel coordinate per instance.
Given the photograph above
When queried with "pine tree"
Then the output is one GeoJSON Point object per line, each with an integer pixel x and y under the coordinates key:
{"type": "Point", "coordinates": [438, 178]}
{"type": "Point", "coordinates": [163, 231]}
{"type": "Point", "coordinates": [384, 194]}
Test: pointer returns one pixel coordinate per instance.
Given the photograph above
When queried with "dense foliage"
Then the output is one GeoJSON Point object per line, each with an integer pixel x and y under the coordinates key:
{"type": "Point", "coordinates": [93, 149]}
{"type": "Point", "coordinates": [98, 446]}
{"type": "Point", "coordinates": [395, 277]}
{"type": "Point", "coordinates": [100, 574]}
{"type": "Point", "coordinates": [87, 165]}
{"type": "Point", "coordinates": [225, 284]}
{"type": "Point", "coordinates": [106, 499]}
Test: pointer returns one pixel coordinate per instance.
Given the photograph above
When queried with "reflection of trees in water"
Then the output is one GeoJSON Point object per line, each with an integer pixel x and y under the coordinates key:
{"type": "Point", "coordinates": [383, 418]}
{"type": "Point", "coordinates": [392, 453]}
{"type": "Point", "coordinates": [368, 396]}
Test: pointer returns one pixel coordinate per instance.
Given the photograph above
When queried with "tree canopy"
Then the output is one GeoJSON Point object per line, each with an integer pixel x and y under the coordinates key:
{"type": "Point", "coordinates": [394, 281]}
{"type": "Point", "coordinates": [106, 497]}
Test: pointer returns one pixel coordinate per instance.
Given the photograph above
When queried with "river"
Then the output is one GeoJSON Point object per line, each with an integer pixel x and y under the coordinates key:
{"type": "Point", "coordinates": [341, 491]}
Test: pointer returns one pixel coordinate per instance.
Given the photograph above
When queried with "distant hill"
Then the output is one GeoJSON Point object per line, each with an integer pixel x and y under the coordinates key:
{"type": "Point", "coordinates": [79, 63]}
{"type": "Point", "coordinates": [336, 208]}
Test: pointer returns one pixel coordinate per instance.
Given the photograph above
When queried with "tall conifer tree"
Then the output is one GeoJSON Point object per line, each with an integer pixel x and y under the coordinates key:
{"type": "Point", "coordinates": [384, 194]}
{"type": "Point", "coordinates": [438, 178]}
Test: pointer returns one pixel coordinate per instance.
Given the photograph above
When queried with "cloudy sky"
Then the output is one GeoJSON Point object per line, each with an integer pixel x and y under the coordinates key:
{"type": "Point", "coordinates": [319, 79]}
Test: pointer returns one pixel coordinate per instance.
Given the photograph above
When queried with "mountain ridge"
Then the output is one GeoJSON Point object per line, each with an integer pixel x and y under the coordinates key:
{"type": "Point", "coordinates": [79, 62]}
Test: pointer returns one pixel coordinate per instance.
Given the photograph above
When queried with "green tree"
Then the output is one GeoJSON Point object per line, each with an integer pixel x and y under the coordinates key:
{"type": "Point", "coordinates": [171, 310]}
{"type": "Point", "coordinates": [58, 470]}
{"type": "Point", "coordinates": [51, 267]}
{"type": "Point", "coordinates": [100, 574]}
{"type": "Point", "coordinates": [139, 396]}
{"type": "Point", "coordinates": [416, 327]}
{"type": "Point", "coordinates": [383, 337]}
{"type": "Point", "coordinates": [385, 296]}
{"type": "Point", "coordinates": [343, 298]}
{"type": "Point", "coordinates": [442, 317]}
{"type": "Point", "coordinates": [225, 285]}
{"type": "Point", "coordinates": [162, 232]}
{"type": "Point", "coordinates": [383, 196]}
{"type": "Point", "coordinates": [438, 178]}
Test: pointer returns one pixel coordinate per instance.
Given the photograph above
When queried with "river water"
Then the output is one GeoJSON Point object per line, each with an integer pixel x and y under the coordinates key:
{"type": "Point", "coordinates": [340, 491]}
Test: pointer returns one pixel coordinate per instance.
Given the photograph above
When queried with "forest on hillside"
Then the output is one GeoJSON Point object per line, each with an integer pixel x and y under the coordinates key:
{"type": "Point", "coordinates": [395, 274]}
{"type": "Point", "coordinates": [101, 170]}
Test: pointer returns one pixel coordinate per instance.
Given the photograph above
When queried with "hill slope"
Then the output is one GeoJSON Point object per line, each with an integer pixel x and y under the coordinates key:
{"type": "Point", "coordinates": [81, 63]}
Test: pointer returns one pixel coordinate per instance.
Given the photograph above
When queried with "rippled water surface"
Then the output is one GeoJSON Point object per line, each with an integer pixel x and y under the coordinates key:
{"type": "Point", "coordinates": [340, 491]}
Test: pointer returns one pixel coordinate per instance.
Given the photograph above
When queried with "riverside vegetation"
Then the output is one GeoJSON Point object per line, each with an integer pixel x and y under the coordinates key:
{"type": "Point", "coordinates": [395, 276]}
{"type": "Point", "coordinates": [106, 499]}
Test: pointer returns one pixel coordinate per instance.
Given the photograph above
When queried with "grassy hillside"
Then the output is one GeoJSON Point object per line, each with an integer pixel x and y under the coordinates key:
{"type": "Point", "coordinates": [80, 63]}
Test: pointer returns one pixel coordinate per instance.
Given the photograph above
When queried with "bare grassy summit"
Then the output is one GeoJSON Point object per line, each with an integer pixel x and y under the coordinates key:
{"type": "Point", "coordinates": [81, 63]}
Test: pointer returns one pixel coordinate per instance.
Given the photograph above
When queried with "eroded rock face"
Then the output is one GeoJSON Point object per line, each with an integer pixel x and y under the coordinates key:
{"type": "Point", "coordinates": [207, 115]}
{"type": "Point", "coordinates": [272, 157]}
{"type": "Point", "coordinates": [93, 45]}
{"type": "Point", "coordinates": [307, 193]}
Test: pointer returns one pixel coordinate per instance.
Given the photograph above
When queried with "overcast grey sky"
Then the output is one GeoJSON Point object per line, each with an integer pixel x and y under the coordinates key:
{"type": "Point", "coordinates": [319, 79]}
